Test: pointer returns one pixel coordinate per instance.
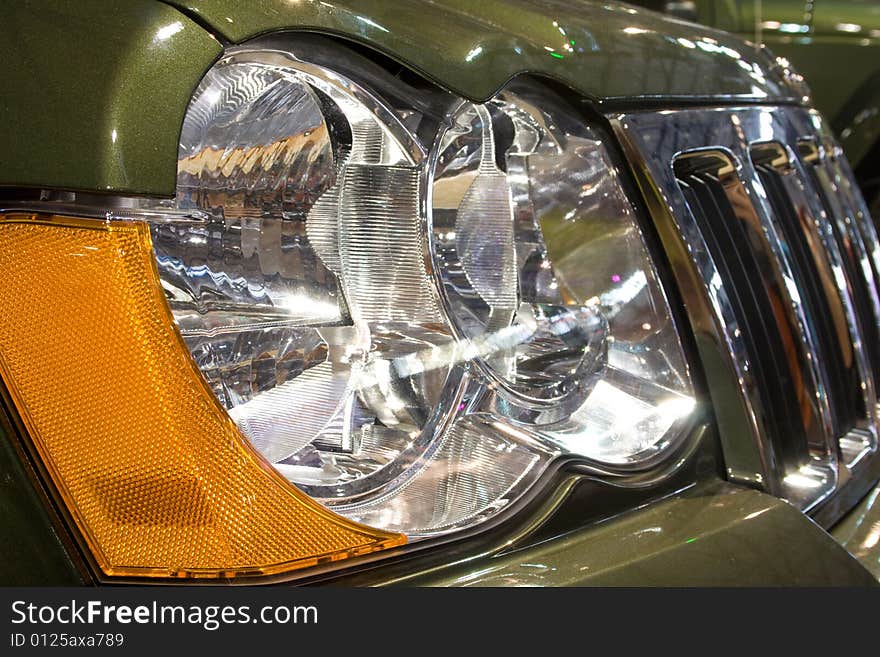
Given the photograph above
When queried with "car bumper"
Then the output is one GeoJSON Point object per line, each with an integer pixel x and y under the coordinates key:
{"type": "Point", "coordinates": [717, 536]}
{"type": "Point", "coordinates": [859, 532]}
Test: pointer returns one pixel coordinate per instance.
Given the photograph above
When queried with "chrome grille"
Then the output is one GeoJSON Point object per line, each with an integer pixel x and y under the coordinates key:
{"type": "Point", "coordinates": [833, 320]}
{"type": "Point", "coordinates": [838, 210]}
{"type": "Point", "coordinates": [782, 263]}
{"type": "Point", "coordinates": [761, 303]}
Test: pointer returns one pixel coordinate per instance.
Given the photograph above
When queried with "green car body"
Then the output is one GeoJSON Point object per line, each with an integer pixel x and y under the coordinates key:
{"type": "Point", "coordinates": [95, 94]}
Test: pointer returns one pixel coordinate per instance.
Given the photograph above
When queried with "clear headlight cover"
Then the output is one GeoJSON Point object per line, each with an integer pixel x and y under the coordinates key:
{"type": "Point", "coordinates": [410, 328]}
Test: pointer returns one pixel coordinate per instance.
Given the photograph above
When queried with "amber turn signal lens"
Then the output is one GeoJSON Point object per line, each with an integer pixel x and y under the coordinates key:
{"type": "Point", "coordinates": [152, 470]}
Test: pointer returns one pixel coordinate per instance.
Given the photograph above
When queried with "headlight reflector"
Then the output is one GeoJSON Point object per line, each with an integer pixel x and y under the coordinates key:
{"type": "Point", "coordinates": [540, 255]}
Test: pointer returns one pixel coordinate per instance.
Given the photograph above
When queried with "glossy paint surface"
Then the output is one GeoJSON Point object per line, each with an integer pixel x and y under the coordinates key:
{"type": "Point", "coordinates": [603, 50]}
{"type": "Point", "coordinates": [731, 537]}
{"type": "Point", "coordinates": [94, 94]}
{"type": "Point", "coordinates": [31, 553]}
{"type": "Point", "coordinates": [100, 92]}
{"type": "Point", "coordinates": [859, 532]}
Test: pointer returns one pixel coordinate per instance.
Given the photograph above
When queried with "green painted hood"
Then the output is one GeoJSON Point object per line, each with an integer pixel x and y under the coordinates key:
{"type": "Point", "coordinates": [604, 50]}
{"type": "Point", "coordinates": [96, 91]}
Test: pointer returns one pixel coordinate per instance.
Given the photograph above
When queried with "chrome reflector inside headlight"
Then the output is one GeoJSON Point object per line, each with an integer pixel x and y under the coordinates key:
{"type": "Point", "coordinates": [412, 329]}
{"type": "Point", "coordinates": [541, 259]}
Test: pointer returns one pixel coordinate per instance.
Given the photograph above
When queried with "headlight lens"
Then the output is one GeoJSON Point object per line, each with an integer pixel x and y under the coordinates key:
{"type": "Point", "coordinates": [306, 300]}
{"type": "Point", "coordinates": [410, 318]}
{"type": "Point", "coordinates": [541, 259]}
{"type": "Point", "coordinates": [414, 375]}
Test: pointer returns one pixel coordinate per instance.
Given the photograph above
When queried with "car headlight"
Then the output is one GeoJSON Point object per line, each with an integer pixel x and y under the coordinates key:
{"type": "Point", "coordinates": [409, 314]}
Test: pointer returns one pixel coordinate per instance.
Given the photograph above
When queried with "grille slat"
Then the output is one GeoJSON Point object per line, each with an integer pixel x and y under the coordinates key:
{"type": "Point", "coordinates": [737, 244]}
{"type": "Point", "coordinates": [821, 300]}
{"type": "Point", "coordinates": [785, 266]}
{"type": "Point", "coordinates": [854, 263]}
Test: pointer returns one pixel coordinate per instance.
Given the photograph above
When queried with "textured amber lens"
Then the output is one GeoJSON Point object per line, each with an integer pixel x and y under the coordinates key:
{"type": "Point", "coordinates": [152, 470]}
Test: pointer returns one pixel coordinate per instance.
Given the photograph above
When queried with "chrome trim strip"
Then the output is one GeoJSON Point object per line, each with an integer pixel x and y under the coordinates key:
{"type": "Point", "coordinates": [865, 433]}
{"type": "Point", "coordinates": [108, 212]}
{"type": "Point", "coordinates": [736, 404]}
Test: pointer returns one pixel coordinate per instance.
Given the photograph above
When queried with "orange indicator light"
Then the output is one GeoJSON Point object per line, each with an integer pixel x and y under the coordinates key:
{"type": "Point", "coordinates": [154, 473]}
